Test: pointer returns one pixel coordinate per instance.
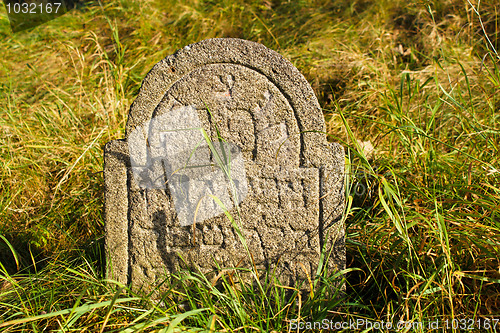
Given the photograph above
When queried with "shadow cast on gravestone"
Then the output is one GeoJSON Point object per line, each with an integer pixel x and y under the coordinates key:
{"type": "Point", "coordinates": [262, 284]}
{"type": "Point", "coordinates": [160, 224]}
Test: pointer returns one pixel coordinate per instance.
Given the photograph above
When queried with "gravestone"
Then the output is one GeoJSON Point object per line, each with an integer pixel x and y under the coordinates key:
{"type": "Point", "coordinates": [225, 163]}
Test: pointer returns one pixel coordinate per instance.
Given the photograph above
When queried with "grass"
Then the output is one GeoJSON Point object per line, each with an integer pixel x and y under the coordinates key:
{"type": "Point", "coordinates": [409, 88]}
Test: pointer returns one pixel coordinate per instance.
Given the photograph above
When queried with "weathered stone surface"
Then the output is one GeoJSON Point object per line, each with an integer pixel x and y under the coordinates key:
{"type": "Point", "coordinates": [285, 189]}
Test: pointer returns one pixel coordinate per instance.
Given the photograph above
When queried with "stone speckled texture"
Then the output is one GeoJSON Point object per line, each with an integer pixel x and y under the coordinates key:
{"type": "Point", "coordinates": [259, 102]}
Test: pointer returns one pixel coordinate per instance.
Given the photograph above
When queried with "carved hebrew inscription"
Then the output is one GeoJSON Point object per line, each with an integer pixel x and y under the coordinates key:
{"type": "Point", "coordinates": [252, 115]}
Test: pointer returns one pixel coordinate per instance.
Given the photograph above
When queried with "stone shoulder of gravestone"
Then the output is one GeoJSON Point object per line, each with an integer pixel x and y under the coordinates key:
{"type": "Point", "coordinates": [225, 163]}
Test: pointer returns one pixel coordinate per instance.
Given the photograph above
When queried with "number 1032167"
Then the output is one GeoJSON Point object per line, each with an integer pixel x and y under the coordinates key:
{"type": "Point", "coordinates": [469, 324]}
{"type": "Point", "coordinates": [33, 8]}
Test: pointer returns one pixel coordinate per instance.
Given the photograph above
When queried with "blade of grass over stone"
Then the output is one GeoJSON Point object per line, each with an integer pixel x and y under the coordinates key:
{"type": "Point", "coordinates": [224, 162]}
{"type": "Point", "coordinates": [233, 222]}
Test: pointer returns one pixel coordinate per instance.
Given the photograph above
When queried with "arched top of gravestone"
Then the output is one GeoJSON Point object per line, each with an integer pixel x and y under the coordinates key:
{"type": "Point", "coordinates": [257, 57]}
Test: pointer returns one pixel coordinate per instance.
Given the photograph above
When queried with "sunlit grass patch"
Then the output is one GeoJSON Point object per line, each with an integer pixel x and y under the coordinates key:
{"type": "Point", "coordinates": [409, 88]}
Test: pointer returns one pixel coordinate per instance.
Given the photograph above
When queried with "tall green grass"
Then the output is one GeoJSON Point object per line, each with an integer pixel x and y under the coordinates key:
{"type": "Point", "coordinates": [409, 88]}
